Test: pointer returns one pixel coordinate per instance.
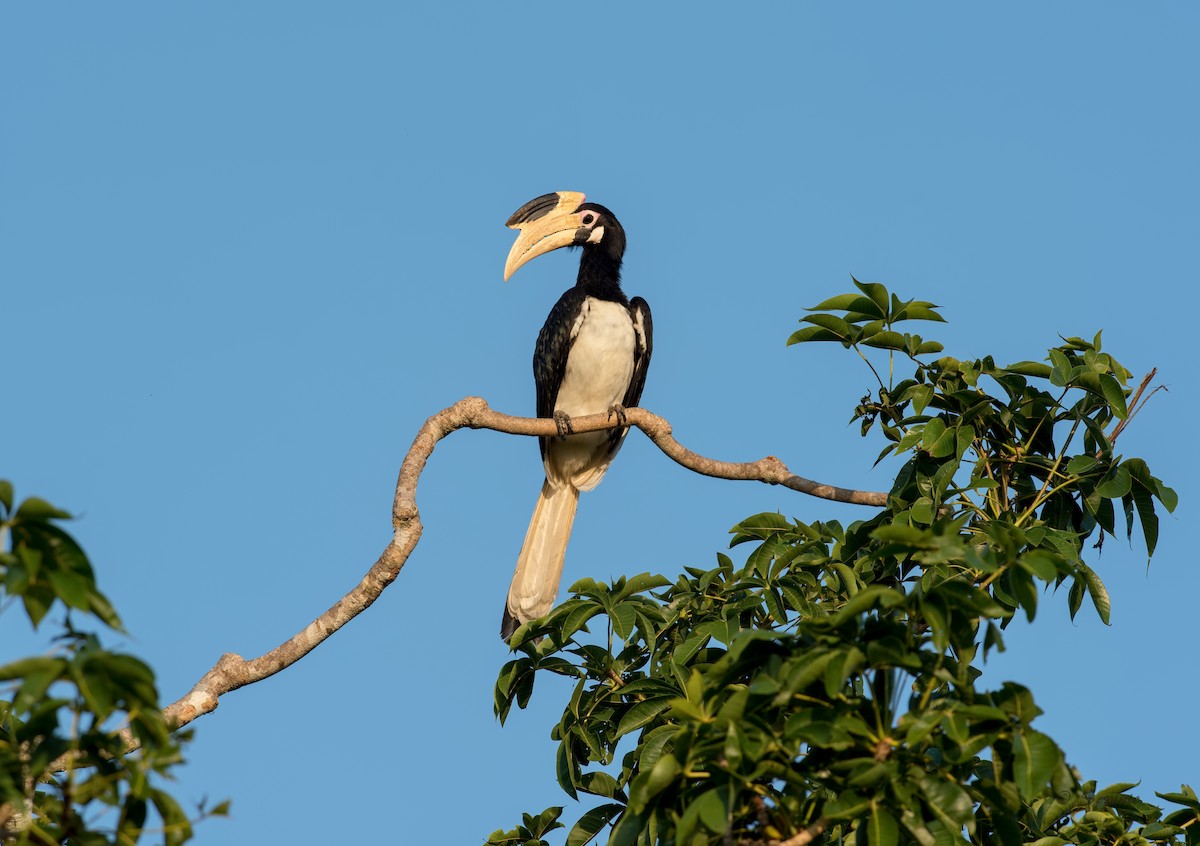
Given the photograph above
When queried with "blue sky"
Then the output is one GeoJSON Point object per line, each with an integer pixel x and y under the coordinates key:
{"type": "Point", "coordinates": [245, 250]}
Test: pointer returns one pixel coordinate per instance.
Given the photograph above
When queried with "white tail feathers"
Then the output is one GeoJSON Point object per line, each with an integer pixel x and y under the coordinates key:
{"type": "Point", "coordinates": [540, 564]}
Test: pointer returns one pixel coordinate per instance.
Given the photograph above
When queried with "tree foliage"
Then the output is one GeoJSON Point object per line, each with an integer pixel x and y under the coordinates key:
{"type": "Point", "coordinates": [830, 684]}
{"type": "Point", "coordinates": [64, 777]}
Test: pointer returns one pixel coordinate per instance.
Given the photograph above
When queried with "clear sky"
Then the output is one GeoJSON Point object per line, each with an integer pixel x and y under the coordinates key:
{"type": "Point", "coordinates": [247, 248]}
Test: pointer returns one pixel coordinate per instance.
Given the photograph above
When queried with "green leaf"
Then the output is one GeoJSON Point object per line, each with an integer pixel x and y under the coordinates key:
{"type": "Point", "coordinates": [1036, 369]}
{"type": "Point", "coordinates": [964, 437]}
{"type": "Point", "coordinates": [1166, 496]}
{"type": "Point", "coordinates": [623, 619]}
{"type": "Point", "coordinates": [642, 714]}
{"type": "Point", "coordinates": [843, 665]}
{"type": "Point", "coordinates": [1035, 757]}
{"type": "Point", "coordinates": [686, 650]}
{"type": "Point", "coordinates": [1061, 374]}
{"type": "Point", "coordinates": [37, 604]}
{"type": "Point", "coordinates": [933, 430]}
{"type": "Point", "coordinates": [652, 745]}
{"type": "Point", "coordinates": [1040, 563]}
{"type": "Point", "coordinates": [545, 822]}
{"type": "Point", "coordinates": [918, 311]}
{"type": "Point", "coordinates": [760, 526]}
{"type": "Point", "coordinates": [1075, 597]}
{"type": "Point", "coordinates": [839, 303]}
{"type": "Point", "coordinates": [847, 805]}
{"type": "Point", "coordinates": [37, 681]}
{"type": "Point", "coordinates": [648, 785]}
{"type": "Point", "coordinates": [882, 829]}
{"type": "Point", "coordinates": [642, 583]}
{"type": "Point", "coordinates": [1097, 591]}
{"type": "Point", "coordinates": [886, 340]}
{"type": "Point", "coordinates": [1020, 583]}
{"type": "Point", "coordinates": [712, 810]}
{"type": "Point", "coordinates": [922, 510]}
{"type": "Point", "coordinates": [947, 800]}
{"type": "Point", "coordinates": [1080, 464]}
{"type": "Point", "coordinates": [6, 494]}
{"type": "Point", "coordinates": [36, 508]}
{"type": "Point", "coordinates": [812, 333]}
{"type": "Point", "coordinates": [592, 823]}
{"type": "Point", "coordinates": [921, 726]}
{"type": "Point", "coordinates": [1143, 490]}
{"type": "Point", "coordinates": [1114, 394]}
{"type": "Point", "coordinates": [561, 666]}
{"type": "Point", "coordinates": [921, 395]}
{"type": "Point", "coordinates": [99, 605]}
{"type": "Point", "coordinates": [1119, 787]}
{"type": "Point", "coordinates": [1186, 797]}
{"type": "Point", "coordinates": [878, 294]}
{"type": "Point", "coordinates": [628, 829]}
{"type": "Point", "coordinates": [865, 599]}
{"type": "Point", "coordinates": [945, 445]}
{"type": "Point", "coordinates": [579, 616]}
{"type": "Point", "coordinates": [840, 328]}
{"type": "Point", "coordinates": [1116, 484]}
{"type": "Point", "coordinates": [177, 828]}
{"type": "Point", "coordinates": [566, 768]}
{"type": "Point", "coordinates": [599, 783]}
{"type": "Point", "coordinates": [71, 588]}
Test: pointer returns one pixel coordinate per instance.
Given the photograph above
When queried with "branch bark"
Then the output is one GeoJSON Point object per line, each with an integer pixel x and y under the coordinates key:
{"type": "Point", "coordinates": [233, 671]}
{"type": "Point", "coordinates": [807, 835]}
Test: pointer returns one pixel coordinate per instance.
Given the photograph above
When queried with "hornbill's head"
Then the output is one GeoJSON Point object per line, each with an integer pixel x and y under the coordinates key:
{"type": "Point", "coordinates": [563, 219]}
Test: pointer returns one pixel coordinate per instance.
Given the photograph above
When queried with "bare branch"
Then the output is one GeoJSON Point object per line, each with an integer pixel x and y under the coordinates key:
{"type": "Point", "coordinates": [232, 671]}
{"type": "Point", "coordinates": [1133, 407]}
{"type": "Point", "coordinates": [807, 835]}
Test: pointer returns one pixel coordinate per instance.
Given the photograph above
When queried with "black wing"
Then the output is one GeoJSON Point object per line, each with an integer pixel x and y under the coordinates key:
{"type": "Point", "coordinates": [643, 329]}
{"type": "Point", "coordinates": [643, 338]}
{"type": "Point", "coordinates": [551, 351]}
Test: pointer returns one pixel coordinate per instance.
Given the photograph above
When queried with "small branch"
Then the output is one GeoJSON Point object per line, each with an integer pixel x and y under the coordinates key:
{"type": "Point", "coordinates": [770, 470]}
{"type": "Point", "coordinates": [233, 671]}
{"type": "Point", "coordinates": [808, 835]}
{"type": "Point", "coordinates": [1133, 406]}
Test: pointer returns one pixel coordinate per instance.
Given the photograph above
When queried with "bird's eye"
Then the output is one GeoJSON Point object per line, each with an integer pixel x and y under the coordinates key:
{"type": "Point", "coordinates": [588, 219]}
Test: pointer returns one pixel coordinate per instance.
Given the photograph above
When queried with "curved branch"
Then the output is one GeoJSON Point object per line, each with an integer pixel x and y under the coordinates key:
{"type": "Point", "coordinates": [232, 671]}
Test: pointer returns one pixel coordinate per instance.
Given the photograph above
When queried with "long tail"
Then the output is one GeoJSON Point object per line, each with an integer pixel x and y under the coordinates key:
{"type": "Point", "coordinates": [540, 564]}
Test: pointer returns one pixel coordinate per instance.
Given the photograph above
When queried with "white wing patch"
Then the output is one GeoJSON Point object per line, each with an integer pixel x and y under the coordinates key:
{"type": "Point", "coordinates": [639, 330]}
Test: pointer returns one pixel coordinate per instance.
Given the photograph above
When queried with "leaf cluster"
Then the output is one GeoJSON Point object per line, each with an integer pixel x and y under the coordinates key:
{"type": "Point", "coordinates": [831, 684]}
{"type": "Point", "coordinates": [64, 774]}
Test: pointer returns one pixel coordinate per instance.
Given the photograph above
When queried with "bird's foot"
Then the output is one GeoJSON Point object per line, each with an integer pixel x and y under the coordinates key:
{"type": "Point", "coordinates": [563, 421]}
{"type": "Point", "coordinates": [619, 410]}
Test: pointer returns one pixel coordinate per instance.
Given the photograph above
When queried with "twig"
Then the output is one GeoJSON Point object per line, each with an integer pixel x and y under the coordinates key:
{"type": "Point", "coordinates": [806, 836]}
{"type": "Point", "coordinates": [1133, 406]}
{"type": "Point", "coordinates": [233, 671]}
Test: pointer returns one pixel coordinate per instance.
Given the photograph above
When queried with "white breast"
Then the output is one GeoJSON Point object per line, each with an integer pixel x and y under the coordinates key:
{"type": "Point", "coordinates": [600, 363]}
{"type": "Point", "coordinates": [599, 368]}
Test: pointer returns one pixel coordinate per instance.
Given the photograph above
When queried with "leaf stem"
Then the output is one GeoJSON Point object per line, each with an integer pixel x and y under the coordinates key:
{"type": "Point", "coordinates": [1045, 492]}
{"type": "Point", "coordinates": [869, 364]}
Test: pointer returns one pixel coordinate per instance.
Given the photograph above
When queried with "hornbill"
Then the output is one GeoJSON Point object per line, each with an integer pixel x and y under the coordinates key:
{"type": "Point", "coordinates": [591, 357]}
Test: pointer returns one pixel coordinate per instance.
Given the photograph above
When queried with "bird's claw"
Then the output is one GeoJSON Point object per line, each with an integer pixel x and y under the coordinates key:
{"type": "Point", "coordinates": [563, 421]}
{"type": "Point", "coordinates": [619, 410]}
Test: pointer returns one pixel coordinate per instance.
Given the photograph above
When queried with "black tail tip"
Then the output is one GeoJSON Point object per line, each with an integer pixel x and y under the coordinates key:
{"type": "Point", "coordinates": [508, 624]}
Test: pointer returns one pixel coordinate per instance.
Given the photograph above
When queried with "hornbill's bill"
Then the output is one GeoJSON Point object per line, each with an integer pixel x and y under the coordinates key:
{"type": "Point", "coordinates": [591, 357]}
